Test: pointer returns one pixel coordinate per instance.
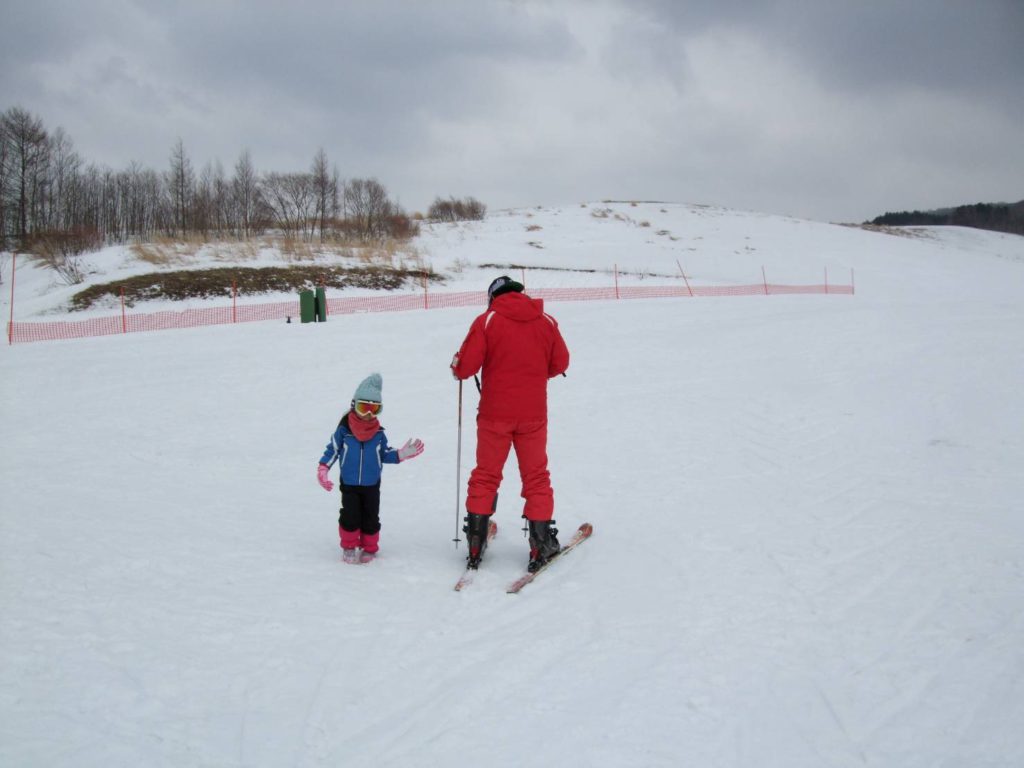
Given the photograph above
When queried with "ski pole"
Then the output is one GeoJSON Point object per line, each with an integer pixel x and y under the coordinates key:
{"type": "Point", "coordinates": [458, 470]}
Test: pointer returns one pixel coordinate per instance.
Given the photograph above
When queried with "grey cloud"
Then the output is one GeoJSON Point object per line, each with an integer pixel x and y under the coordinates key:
{"type": "Point", "coordinates": [831, 109]}
{"type": "Point", "coordinates": [367, 55]}
{"type": "Point", "coordinates": [935, 44]}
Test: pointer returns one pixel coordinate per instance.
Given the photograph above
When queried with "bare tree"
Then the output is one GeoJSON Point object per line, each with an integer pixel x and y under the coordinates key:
{"type": "Point", "coordinates": [220, 200]}
{"type": "Point", "coordinates": [181, 187]}
{"type": "Point", "coordinates": [367, 207]}
{"type": "Point", "coordinates": [5, 180]}
{"type": "Point", "coordinates": [26, 139]}
{"type": "Point", "coordinates": [110, 213]}
{"type": "Point", "coordinates": [325, 186]}
{"type": "Point", "coordinates": [291, 199]}
{"type": "Point", "coordinates": [64, 167]}
{"type": "Point", "coordinates": [245, 194]}
{"type": "Point", "coordinates": [141, 205]}
{"type": "Point", "coordinates": [202, 202]}
{"type": "Point", "coordinates": [210, 205]}
{"type": "Point", "coordinates": [138, 214]}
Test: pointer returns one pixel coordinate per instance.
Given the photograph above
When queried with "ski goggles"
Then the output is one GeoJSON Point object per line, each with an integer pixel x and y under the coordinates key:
{"type": "Point", "coordinates": [367, 407]}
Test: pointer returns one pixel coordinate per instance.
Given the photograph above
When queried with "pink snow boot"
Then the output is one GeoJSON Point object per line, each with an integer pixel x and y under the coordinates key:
{"type": "Point", "coordinates": [349, 545]}
{"type": "Point", "coordinates": [370, 543]}
{"type": "Point", "coordinates": [369, 547]}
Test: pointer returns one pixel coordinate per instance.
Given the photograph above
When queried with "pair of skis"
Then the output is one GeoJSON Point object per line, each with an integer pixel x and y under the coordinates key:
{"type": "Point", "coordinates": [579, 536]}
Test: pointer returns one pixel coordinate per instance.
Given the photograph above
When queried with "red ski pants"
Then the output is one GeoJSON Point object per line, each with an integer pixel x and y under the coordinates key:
{"type": "Point", "coordinates": [494, 439]}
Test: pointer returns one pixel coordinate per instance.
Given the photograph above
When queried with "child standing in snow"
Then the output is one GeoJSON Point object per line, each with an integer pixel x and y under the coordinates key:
{"type": "Point", "coordinates": [361, 448]}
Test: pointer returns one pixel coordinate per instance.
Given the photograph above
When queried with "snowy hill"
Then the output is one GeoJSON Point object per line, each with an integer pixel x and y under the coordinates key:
{"type": "Point", "coordinates": [585, 245]}
{"type": "Point", "coordinates": [808, 545]}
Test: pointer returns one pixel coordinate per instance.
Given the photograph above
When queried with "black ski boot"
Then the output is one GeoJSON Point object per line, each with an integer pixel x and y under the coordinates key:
{"type": "Point", "coordinates": [543, 543]}
{"type": "Point", "coordinates": [476, 535]}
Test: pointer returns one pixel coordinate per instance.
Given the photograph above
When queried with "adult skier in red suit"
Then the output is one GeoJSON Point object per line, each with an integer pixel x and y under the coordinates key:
{"type": "Point", "coordinates": [517, 348]}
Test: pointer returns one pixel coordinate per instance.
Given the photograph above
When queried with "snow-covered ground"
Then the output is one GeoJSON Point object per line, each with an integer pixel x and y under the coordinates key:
{"type": "Point", "coordinates": [588, 245]}
{"type": "Point", "coordinates": [808, 547]}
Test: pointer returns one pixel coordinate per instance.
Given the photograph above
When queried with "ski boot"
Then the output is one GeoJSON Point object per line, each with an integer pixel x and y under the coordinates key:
{"type": "Point", "coordinates": [543, 544]}
{"type": "Point", "coordinates": [476, 535]}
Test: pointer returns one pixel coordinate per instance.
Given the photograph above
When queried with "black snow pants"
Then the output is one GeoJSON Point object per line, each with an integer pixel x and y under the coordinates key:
{"type": "Point", "coordinates": [360, 508]}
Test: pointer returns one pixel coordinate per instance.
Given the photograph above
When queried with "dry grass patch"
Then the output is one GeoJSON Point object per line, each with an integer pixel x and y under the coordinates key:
{"type": "Point", "coordinates": [157, 255]}
{"type": "Point", "coordinates": [236, 250]}
{"type": "Point", "coordinates": [295, 249]}
{"type": "Point", "coordinates": [162, 251]}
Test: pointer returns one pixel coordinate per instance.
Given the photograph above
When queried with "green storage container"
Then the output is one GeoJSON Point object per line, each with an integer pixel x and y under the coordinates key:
{"type": "Point", "coordinates": [307, 308]}
{"type": "Point", "coordinates": [321, 305]}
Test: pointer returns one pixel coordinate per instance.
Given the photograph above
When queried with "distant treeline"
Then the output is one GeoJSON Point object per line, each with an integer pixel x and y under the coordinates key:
{"type": "Point", "coordinates": [52, 199]}
{"type": "Point", "coordinates": [999, 217]}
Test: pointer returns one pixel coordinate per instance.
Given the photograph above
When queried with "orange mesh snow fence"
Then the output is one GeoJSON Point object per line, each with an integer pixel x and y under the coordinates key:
{"type": "Point", "coordinates": [133, 322]}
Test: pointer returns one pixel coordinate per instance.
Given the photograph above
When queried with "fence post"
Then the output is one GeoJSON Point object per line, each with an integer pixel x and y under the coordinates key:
{"type": "Point", "coordinates": [523, 271]}
{"type": "Point", "coordinates": [124, 317]}
{"type": "Point", "coordinates": [616, 281]}
{"type": "Point", "coordinates": [10, 325]}
{"type": "Point", "coordinates": [853, 289]}
{"type": "Point", "coordinates": [426, 302]}
{"type": "Point", "coordinates": [764, 278]}
{"type": "Point", "coordinates": [826, 280]}
{"type": "Point", "coordinates": [683, 273]}
{"type": "Point", "coordinates": [234, 301]}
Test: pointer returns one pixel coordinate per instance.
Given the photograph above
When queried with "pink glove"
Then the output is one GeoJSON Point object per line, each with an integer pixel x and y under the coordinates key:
{"type": "Point", "coordinates": [321, 476]}
{"type": "Point", "coordinates": [410, 450]}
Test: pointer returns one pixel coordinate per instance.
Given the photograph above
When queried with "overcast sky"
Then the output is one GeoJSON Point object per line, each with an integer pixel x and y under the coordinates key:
{"type": "Point", "coordinates": [824, 109]}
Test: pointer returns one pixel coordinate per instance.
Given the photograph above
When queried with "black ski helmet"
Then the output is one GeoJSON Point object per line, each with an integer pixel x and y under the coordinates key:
{"type": "Point", "coordinates": [500, 285]}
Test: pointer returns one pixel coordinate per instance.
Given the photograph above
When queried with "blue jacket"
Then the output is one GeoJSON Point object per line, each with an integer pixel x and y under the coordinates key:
{"type": "Point", "coordinates": [361, 463]}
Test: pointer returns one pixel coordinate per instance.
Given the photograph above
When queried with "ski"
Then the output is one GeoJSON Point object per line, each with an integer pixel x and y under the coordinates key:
{"type": "Point", "coordinates": [582, 534]}
{"type": "Point", "coordinates": [467, 577]}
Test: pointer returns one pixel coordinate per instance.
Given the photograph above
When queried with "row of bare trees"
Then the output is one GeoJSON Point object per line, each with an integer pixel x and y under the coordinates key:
{"type": "Point", "coordinates": [47, 191]}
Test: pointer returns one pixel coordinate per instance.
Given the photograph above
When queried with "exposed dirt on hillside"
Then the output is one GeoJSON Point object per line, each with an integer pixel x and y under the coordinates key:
{"type": "Point", "coordinates": [248, 281]}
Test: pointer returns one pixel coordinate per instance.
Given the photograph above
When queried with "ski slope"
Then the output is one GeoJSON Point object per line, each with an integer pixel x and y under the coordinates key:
{"type": "Point", "coordinates": [808, 547]}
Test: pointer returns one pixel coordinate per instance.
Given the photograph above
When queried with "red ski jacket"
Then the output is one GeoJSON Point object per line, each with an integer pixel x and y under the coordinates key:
{"type": "Point", "coordinates": [518, 348]}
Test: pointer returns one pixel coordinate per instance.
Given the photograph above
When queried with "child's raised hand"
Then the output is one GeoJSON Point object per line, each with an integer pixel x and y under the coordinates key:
{"type": "Point", "coordinates": [411, 449]}
{"type": "Point", "coordinates": [321, 476]}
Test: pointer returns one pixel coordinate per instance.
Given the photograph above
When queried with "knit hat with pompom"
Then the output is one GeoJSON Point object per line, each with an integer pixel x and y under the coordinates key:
{"type": "Point", "coordinates": [369, 389]}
